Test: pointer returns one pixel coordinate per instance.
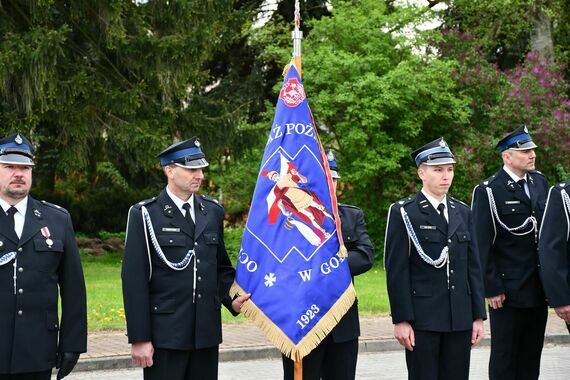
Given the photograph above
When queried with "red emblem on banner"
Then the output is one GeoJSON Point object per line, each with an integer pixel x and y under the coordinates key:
{"type": "Point", "coordinates": [292, 93]}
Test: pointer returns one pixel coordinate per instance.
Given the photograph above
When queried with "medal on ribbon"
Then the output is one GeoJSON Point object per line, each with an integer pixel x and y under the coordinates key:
{"type": "Point", "coordinates": [46, 234]}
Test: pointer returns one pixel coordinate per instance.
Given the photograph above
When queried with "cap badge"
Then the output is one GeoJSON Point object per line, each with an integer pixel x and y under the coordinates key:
{"type": "Point", "coordinates": [197, 143]}
{"type": "Point", "coordinates": [442, 143]}
{"type": "Point", "coordinates": [18, 139]}
{"type": "Point", "coordinates": [330, 155]}
{"type": "Point", "coordinates": [525, 129]}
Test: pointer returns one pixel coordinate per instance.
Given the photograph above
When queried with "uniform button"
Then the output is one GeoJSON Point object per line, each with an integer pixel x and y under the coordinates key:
{"type": "Point", "coordinates": [20, 291]}
{"type": "Point", "coordinates": [413, 292]}
{"type": "Point", "coordinates": [20, 249]}
{"type": "Point", "coordinates": [155, 308]}
{"type": "Point", "coordinates": [451, 271]}
{"type": "Point", "coordinates": [199, 278]}
{"type": "Point", "coordinates": [20, 312]}
{"type": "Point", "coordinates": [513, 210]}
{"type": "Point", "coordinates": [199, 296]}
{"type": "Point", "coordinates": [197, 261]}
{"type": "Point", "coordinates": [502, 275]}
{"type": "Point", "coordinates": [452, 287]}
{"type": "Point", "coordinates": [195, 243]}
{"type": "Point", "coordinates": [538, 265]}
{"type": "Point", "coordinates": [170, 241]}
{"type": "Point", "coordinates": [348, 237]}
{"type": "Point", "coordinates": [20, 269]}
{"type": "Point", "coordinates": [55, 326]}
{"type": "Point", "coordinates": [449, 240]}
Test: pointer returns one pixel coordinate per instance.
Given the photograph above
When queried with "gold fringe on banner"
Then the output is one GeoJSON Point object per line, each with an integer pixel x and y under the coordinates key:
{"type": "Point", "coordinates": [312, 339]}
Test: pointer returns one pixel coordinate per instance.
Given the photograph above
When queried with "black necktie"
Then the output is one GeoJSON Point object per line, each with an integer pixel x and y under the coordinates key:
{"type": "Point", "coordinates": [11, 225]}
{"type": "Point", "coordinates": [188, 216]}
{"type": "Point", "coordinates": [441, 208]}
{"type": "Point", "coordinates": [521, 183]}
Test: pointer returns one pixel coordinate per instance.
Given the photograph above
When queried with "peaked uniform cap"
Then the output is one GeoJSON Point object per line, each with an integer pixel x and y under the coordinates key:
{"type": "Point", "coordinates": [436, 152]}
{"type": "Point", "coordinates": [15, 149]}
{"type": "Point", "coordinates": [519, 139]}
{"type": "Point", "coordinates": [186, 154]}
{"type": "Point", "coordinates": [331, 158]}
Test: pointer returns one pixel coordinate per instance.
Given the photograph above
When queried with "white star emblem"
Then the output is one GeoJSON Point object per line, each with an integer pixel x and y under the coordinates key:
{"type": "Point", "coordinates": [270, 279]}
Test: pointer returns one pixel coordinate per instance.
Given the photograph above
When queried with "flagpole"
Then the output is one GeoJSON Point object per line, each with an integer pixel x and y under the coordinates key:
{"type": "Point", "coordinates": [297, 35]}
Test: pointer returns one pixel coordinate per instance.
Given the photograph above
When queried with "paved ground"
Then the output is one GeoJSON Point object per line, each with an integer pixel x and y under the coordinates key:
{"type": "Point", "coordinates": [382, 365]}
{"type": "Point", "coordinates": [245, 342]}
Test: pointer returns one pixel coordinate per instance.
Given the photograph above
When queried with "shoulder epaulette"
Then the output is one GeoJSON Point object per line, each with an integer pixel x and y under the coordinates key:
{"type": "Point", "coordinates": [210, 199]}
{"type": "Point", "coordinates": [345, 205]}
{"type": "Point", "coordinates": [459, 202]}
{"type": "Point", "coordinates": [562, 185]}
{"type": "Point", "coordinates": [488, 181]}
{"type": "Point", "coordinates": [537, 172]}
{"type": "Point", "coordinates": [144, 202]}
{"type": "Point", "coordinates": [402, 202]}
{"type": "Point", "coordinates": [55, 207]}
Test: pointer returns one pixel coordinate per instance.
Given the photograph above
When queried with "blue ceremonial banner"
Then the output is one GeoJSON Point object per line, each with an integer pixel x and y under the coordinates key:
{"type": "Point", "coordinates": [292, 259]}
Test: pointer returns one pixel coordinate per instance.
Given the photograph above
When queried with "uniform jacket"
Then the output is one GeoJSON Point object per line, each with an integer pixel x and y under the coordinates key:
{"type": "Point", "coordinates": [31, 331]}
{"type": "Point", "coordinates": [360, 259]}
{"type": "Point", "coordinates": [158, 300]}
{"type": "Point", "coordinates": [554, 250]}
{"type": "Point", "coordinates": [419, 293]}
{"type": "Point", "coordinates": [510, 261]}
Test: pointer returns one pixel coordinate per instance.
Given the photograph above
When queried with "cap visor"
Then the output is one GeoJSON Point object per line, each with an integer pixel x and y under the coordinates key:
{"type": "Point", "coordinates": [16, 159]}
{"type": "Point", "coordinates": [194, 164]}
{"type": "Point", "coordinates": [440, 161]}
{"type": "Point", "coordinates": [526, 146]}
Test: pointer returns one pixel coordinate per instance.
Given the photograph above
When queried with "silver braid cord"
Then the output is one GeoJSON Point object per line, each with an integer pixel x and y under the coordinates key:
{"type": "Point", "coordinates": [443, 257]}
{"type": "Point", "coordinates": [175, 266]}
{"type": "Point", "coordinates": [5, 259]}
{"type": "Point", "coordinates": [531, 220]}
{"type": "Point", "coordinates": [565, 200]}
{"type": "Point", "coordinates": [440, 262]}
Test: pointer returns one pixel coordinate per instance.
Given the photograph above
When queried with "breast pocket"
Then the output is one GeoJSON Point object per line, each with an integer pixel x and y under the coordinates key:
{"type": "Point", "coordinates": [171, 240]}
{"type": "Point", "coordinates": [514, 209]}
{"type": "Point", "coordinates": [430, 236]}
{"type": "Point", "coordinates": [463, 237]}
{"type": "Point", "coordinates": [47, 255]}
{"type": "Point", "coordinates": [211, 238]}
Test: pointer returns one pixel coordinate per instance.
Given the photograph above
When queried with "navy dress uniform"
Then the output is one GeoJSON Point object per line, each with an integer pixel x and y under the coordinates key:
{"type": "Point", "coordinates": [335, 358]}
{"type": "Point", "coordinates": [176, 275]}
{"type": "Point", "coordinates": [507, 213]}
{"type": "Point", "coordinates": [554, 249]}
{"type": "Point", "coordinates": [434, 277]}
{"type": "Point", "coordinates": [39, 258]}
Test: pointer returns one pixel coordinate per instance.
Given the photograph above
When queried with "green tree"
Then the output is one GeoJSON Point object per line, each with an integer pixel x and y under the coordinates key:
{"type": "Point", "coordinates": [376, 98]}
{"type": "Point", "coordinates": [102, 86]}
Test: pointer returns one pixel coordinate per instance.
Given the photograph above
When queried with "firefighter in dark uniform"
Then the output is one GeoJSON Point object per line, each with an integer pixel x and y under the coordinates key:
{"type": "Point", "coordinates": [176, 273]}
{"type": "Point", "coordinates": [335, 358]}
{"type": "Point", "coordinates": [38, 255]}
{"type": "Point", "coordinates": [433, 274]}
{"type": "Point", "coordinates": [507, 210]}
{"type": "Point", "coordinates": [554, 250]}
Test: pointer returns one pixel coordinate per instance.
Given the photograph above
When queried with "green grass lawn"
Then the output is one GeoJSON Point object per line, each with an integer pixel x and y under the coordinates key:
{"type": "Point", "coordinates": [105, 299]}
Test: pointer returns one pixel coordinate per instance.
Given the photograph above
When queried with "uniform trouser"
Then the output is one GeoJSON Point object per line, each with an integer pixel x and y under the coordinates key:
{"type": "Point", "coordinates": [43, 375]}
{"type": "Point", "coordinates": [183, 365]}
{"type": "Point", "coordinates": [439, 356]}
{"type": "Point", "coordinates": [329, 361]}
{"type": "Point", "coordinates": [517, 337]}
